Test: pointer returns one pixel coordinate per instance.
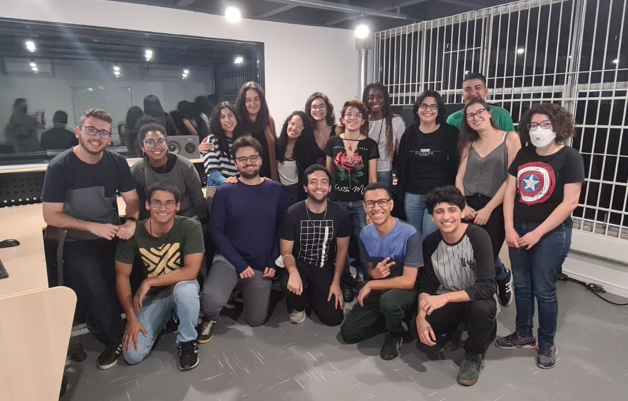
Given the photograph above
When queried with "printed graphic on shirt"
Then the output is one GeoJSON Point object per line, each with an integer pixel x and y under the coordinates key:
{"type": "Point", "coordinates": [315, 238]}
{"type": "Point", "coordinates": [162, 260]}
{"type": "Point", "coordinates": [536, 182]}
{"type": "Point", "coordinates": [349, 167]}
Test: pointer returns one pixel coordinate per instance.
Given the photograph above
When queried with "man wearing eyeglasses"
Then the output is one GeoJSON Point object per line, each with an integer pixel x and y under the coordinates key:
{"type": "Point", "coordinates": [171, 249]}
{"type": "Point", "coordinates": [474, 85]}
{"type": "Point", "coordinates": [244, 217]}
{"type": "Point", "coordinates": [79, 195]}
{"type": "Point", "coordinates": [393, 254]}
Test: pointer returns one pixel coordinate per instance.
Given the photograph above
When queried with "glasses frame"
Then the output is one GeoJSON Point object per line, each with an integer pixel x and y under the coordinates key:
{"type": "Point", "coordinates": [370, 204]}
{"type": "Point", "coordinates": [479, 114]}
{"type": "Point", "coordinates": [547, 123]}
{"type": "Point", "coordinates": [155, 143]}
{"type": "Point", "coordinates": [245, 159]}
{"type": "Point", "coordinates": [100, 132]}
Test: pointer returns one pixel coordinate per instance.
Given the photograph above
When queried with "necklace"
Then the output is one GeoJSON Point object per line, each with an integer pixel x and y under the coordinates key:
{"type": "Point", "coordinates": [351, 140]}
{"type": "Point", "coordinates": [307, 210]}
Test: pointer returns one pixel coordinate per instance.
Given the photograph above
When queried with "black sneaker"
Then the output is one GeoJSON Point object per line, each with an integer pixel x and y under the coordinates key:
{"type": "Point", "coordinates": [172, 325]}
{"type": "Point", "coordinates": [392, 344]}
{"type": "Point", "coordinates": [188, 355]}
{"type": "Point", "coordinates": [347, 292]}
{"type": "Point", "coordinates": [505, 294]}
{"type": "Point", "coordinates": [546, 357]}
{"type": "Point", "coordinates": [230, 302]}
{"type": "Point", "coordinates": [470, 370]}
{"type": "Point", "coordinates": [205, 331]}
{"type": "Point", "coordinates": [109, 357]}
{"type": "Point", "coordinates": [513, 341]}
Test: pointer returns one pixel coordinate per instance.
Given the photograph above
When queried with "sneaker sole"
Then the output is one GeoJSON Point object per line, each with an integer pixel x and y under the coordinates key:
{"type": "Point", "coordinates": [204, 341]}
{"type": "Point", "coordinates": [298, 321]}
{"type": "Point", "coordinates": [191, 367]}
{"type": "Point", "coordinates": [528, 346]}
{"type": "Point", "coordinates": [105, 367]}
{"type": "Point", "coordinates": [467, 382]}
{"type": "Point", "coordinates": [546, 367]}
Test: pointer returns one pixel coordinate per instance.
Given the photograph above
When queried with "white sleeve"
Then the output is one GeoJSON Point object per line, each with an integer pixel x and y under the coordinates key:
{"type": "Point", "coordinates": [399, 127]}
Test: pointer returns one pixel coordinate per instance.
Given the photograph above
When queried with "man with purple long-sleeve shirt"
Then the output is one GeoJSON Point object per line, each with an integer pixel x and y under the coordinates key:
{"type": "Point", "coordinates": [243, 221]}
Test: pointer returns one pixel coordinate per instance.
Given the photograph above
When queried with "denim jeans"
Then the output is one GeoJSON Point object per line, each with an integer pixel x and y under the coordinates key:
{"type": "Point", "coordinates": [385, 177]}
{"type": "Point", "coordinates": [358, 221]}
{"type": "Point", "coordinates": [417, 215]}
{"type": "Point", "coordinates": [290, 194]}
{"type": "Point", "coordinates": [184, 299]}
{"type": "Point", "coordinates": [535, 274]}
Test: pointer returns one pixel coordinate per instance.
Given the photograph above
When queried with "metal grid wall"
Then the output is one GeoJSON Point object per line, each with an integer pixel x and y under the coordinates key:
{"type": "Point", "coordinates": [571, 52]}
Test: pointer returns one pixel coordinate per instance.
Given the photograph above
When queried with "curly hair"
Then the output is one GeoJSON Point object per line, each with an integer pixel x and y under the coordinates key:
{"type": "Point", "coordinates": [442, 111]}
{"type": "Point", "coordinates": [387, 113]}
{"type": "Point", "coordinates": [304, 143]}
{"type": "Point", "coordinates": [330, 118]}
{"type": "Point", "coordinates": [217, 132]}
{"type": "Point", "coordinates": [467, 134]}
{"type": "Point", "coordinates": [263, 117]}
{"type": "Point", "coordinates": [448, 194]}
{"type": "Point", "coordinates": [362, 109]}
{"type": "Point", "coordinates": [562, 122]}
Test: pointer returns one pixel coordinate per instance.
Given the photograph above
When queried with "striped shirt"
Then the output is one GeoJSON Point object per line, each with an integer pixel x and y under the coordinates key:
{"type": "Point", "coordinates": [215, 160]}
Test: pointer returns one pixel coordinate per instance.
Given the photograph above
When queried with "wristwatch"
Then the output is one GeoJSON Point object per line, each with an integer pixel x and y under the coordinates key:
{"type": "Point", "coordinates": [131, 218]}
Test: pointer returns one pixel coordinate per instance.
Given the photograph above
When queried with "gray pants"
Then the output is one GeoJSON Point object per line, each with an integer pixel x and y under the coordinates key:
{"type": "Point", "coordinates": [222, 279]}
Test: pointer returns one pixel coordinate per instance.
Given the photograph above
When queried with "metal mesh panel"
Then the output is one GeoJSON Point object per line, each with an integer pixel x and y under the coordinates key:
{"type": "Point", "coordinates": [570, 52]}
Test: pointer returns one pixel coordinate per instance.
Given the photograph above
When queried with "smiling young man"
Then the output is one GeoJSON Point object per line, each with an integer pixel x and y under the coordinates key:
{"type": "Point", "coordinates": [171, 249]}
{"type": "Point", "coordinates": [457, 284]}
{"type": "Point", "coordinates": [474, 86]}
{"type": "Point", "coordinates": [244, 218]}
{"type": "Point", "coordinates": [314, 243]}
{"type": "Point", "coordinates": [79, 195]}
{"type": "Point", "coordinates": [392, 252]}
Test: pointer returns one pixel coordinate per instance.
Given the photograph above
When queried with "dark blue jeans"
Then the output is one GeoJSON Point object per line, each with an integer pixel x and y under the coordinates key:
{"type": "Point", "coordinates": [357, 215]}
{"type": "Point", "coordinates": [90, 268]}
{"type": "Point", "coordinates": [290, 194]}
{"type": "Point", "coordinates": [535, 274]}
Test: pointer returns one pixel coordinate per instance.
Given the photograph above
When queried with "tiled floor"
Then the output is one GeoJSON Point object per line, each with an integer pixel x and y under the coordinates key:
{"type": "Point", "coordinates": [280, 361]}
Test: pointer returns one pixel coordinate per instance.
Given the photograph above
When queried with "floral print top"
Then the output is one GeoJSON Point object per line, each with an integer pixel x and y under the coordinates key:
{"type": "Point", "coordinates": [350, 173]}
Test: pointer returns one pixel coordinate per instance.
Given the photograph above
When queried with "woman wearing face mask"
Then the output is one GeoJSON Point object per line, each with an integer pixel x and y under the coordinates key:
{"type": "Point", "coordinates": [485, 154]}
{"type": "Point", "coordinates": [385, 128]}
{"type": "Point", "coordinates": [543, 189]}
{"type": "Point", "coordinates": [294, 155]}
{"type": "Point", "coordinates": [256, 119]}
{"type": "Point", "coordinates": [428, 159]}
{"type": "Point", "coordinates": [320, 112]}
{"type": "Point", "coordinates": [159, 165]}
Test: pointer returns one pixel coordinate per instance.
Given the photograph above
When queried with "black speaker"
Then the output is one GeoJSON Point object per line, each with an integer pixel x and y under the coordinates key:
{"type": "Point", "coordinates": [184, 145]}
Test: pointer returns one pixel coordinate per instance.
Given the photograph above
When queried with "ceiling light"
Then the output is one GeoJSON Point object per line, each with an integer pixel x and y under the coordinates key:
{"type": "Point", "coordinates": [33, 64]}
{"type": "Point", "coordinates": [362, 31]}
{"type": "Point", "coordinates": [616, 61]}
{"type": "Point", "coordinates": [148, 54]}
{"type": "Point", "coordinates": [116, 68]}
{"type": "Point", "coordinates": [35, 69]}
{"type": "Point", "coordinates": [233, 15]}
{"type": "Point", "coordinates": [186, 71]}
{"type": "Point", "coordinates": [30, 46]}
{"type": "Point", "coordinates": [238, 60]}
{"type": "Point", "coordinates": [520, 51]}
{"type": "Point", "coordinates": [466, 72]}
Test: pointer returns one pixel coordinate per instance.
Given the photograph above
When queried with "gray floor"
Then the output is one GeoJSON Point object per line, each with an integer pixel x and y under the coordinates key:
{"type": "Point", "coordinates": [280, 361]}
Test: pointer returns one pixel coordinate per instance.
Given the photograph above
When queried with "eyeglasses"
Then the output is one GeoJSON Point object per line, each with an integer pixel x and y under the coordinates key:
{"type": "Point", "coordinates": [479, 114]}
{"type": "Point", "coordinates": [92, 131]}
{"type": "Point", "coordinates": [353, 115]}
{"type": "Point", "coordinates": [424, 107]}
{"type": "Point", "coordinates": [158, 204]}
{"type": "Point", "coordinates": [547, 124]}
{"type": "Point", "coordinates": [244, 159]}
{"type": "Point", "coordinates": [151, 143]}
{"type": "Point", "coordinates": [380, 202]}
{"type": "Point", "coordinates": [322, 107]}
{"type": "Point", "coordinates": [297, 126]}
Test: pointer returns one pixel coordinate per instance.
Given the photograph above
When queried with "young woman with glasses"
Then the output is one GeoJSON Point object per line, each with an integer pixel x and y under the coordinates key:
{"type": "Point", "coordinates": [253, 109]}
{"type": "Point", "coordinates": [544, 183]}
{"type": "Point", "coordinates": [320, 112]}
{"type": "Point", "coordinates": [428, 159]}
{"type": "Point", "coordinates": [485, 155]}
{"type": "Point", "coordinates": [385, 128]}
{"type": "Point", "coordinates": [294, 155]}
{"type": "Point", "coordinates": [159, 165]}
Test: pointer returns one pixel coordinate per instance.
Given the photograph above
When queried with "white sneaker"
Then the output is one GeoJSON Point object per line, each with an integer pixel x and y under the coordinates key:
{"type": "Point", "coordinates": [297, 317]}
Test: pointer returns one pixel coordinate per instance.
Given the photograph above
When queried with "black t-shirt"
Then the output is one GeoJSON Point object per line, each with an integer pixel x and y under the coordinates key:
{"type": "Point", "coordinates": [351, 174]}
{"type": "Point", "coordinates": [429, 160]}
{"type": "Point", "coordinates": [314, 234]}
{"type": "Point", "coordinates": [318, 154]}
{"type": "Point", "coordinates": [57, 138]}
{"type": "Point", "coordinates": [541, 180]}
{"type": "Point", "coordinates": [87, 191]}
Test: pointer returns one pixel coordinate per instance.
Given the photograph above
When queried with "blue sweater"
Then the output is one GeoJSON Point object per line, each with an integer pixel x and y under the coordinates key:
{"type": "Point", "coordinates": [243, 224]}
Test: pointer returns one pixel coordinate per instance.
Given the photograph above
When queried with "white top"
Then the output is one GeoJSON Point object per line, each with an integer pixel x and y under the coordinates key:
{"type": "Point", "coordinates": [288, 172]}
{"type": "Point", "coordinates": [377, 132]}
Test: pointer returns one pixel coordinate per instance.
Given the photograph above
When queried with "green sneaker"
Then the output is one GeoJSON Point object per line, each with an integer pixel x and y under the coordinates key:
{"type": "Point", "coordinates": [546, 357]}
{"type": "Point", "coordinates": [470, 370]}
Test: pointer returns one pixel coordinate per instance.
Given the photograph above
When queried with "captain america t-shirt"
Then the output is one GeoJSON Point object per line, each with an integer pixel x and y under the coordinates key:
{"type": "Point", "coordinates": [541, 180]}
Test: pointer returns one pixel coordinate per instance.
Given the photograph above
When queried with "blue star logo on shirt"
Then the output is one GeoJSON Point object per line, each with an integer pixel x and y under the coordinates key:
{"type": "Point", "coordinates": [531, 183]}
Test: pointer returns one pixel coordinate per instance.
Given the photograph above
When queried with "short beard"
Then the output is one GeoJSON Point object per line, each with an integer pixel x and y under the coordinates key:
{"type": "Point", "coordinates": [316, 202]}
{"type": "Point", "coordinates": [249, 176]}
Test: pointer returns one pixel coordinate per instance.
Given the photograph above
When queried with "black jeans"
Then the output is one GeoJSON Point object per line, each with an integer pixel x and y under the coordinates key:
{"type": "Point", "coordinates": [316, 283]}
{"type": "Point", "coordinates": [90, 268]}
{"type": "Point", "coordinates": [479, 317]}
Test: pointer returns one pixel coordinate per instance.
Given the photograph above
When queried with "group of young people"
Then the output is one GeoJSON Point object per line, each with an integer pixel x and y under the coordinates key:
{"type": "Point", "coordinates": [295, 208]}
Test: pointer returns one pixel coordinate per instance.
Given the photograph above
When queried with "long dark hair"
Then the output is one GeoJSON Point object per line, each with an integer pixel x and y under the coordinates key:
{"type": "Point", "coordinates": [387, 113]}
{"type": "Point", "coordinates": [201, 105]}
{"type": "Point", "coordinates": [330, 118]}
{"type": "Point", "coordinates": [303, 145]}
{"type": "Point", "coordinates": [153, 108]}
{"type": "Point", "coordinates": [187, 110]}
{"type": "Point", "coordinates": [217, 131]}
{"type": "Point", "coordinates": [363, 110]}
{"type": "Point", "coordinates": [133, 114]}
{"type": "Point", "coordinates": [264, 115]}
{"type": "Point", "coordinates": [467, 134]}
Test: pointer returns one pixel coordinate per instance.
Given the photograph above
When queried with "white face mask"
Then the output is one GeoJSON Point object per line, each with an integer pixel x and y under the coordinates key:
{"type": "Point", "coordinates": [541, 137]}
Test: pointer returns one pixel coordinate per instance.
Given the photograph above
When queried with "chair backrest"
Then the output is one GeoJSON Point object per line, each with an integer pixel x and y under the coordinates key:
{"type": "Point", "coordinates": [54, 241]}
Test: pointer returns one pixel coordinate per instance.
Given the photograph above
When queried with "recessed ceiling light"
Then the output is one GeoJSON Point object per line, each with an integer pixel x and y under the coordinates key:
{"type": "Point", "coordinates": [362, 31]}
{"type": "Point", "coordinates": [238, 60]}
{"type": "Point", "coordinates": [30, 46]}
{"type": "Point", "coordinates": [116, 68]}
{"type": "Point", "coordinates": [520, 51]}
{"type": "Point", "coordinates": [616, 61]}
{"type": "Point", "coordinates": [33, 64]}
{"type": "Point", "coordinates": [233, 15]}
{"type": "Point", "coordinates": [186, 71]}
